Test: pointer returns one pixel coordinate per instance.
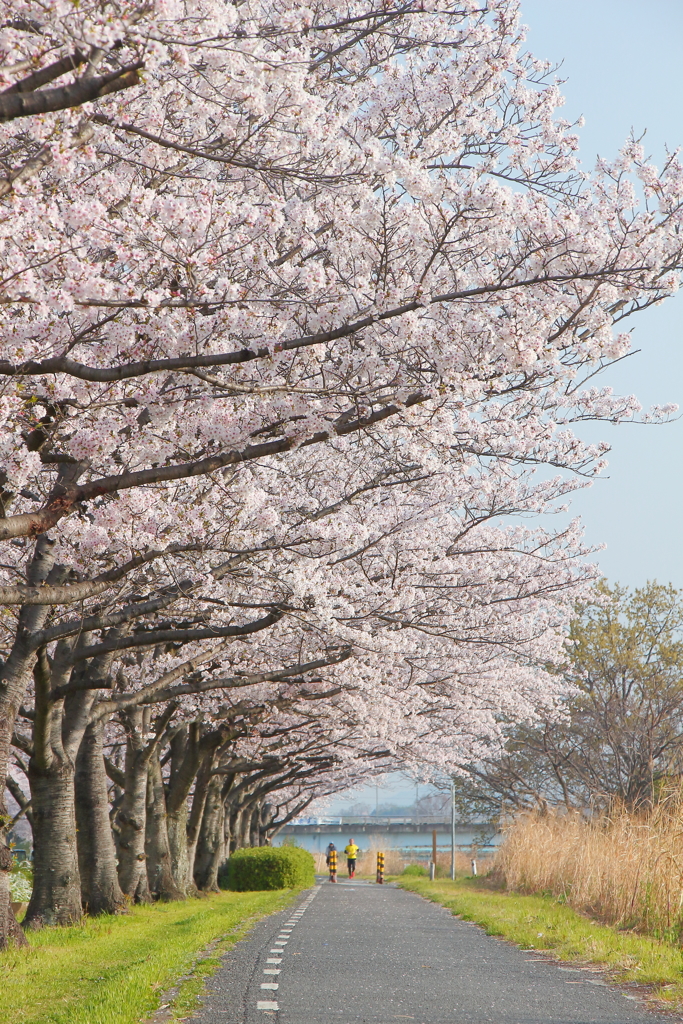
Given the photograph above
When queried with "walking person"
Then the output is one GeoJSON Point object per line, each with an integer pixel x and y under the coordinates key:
{"type": "Point", "coordinates": [351, 851]}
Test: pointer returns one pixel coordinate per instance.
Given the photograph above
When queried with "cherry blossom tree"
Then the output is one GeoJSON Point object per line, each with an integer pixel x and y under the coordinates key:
{"type": "Point", "coordinates": [419, 625]}
{"type": "Point", "coordinates": [315, 289]}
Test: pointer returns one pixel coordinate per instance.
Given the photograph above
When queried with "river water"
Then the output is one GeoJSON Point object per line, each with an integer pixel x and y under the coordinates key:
{"type": "Point", "coordinates": [416, 844]}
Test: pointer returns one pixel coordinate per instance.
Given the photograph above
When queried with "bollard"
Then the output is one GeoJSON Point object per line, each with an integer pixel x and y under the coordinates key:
{"type": "Point", "coordinates": [474, 867]}
{"type": "Point", "coordinates": [432, 870]}
{"type": "Point", "coordinates": [380, 868]}
{"type": "Point", "coordinates": [333, 865]}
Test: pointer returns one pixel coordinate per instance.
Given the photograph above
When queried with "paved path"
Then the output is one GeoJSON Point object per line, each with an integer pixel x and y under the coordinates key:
{"type": "Point", "coordinates": [357, 953]}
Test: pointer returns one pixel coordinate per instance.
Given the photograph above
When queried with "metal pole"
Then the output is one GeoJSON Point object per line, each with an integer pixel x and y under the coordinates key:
{"type": "Point", "coordinates": [433, 851]}
{"type": "Point", "coordinates": [453, 829]}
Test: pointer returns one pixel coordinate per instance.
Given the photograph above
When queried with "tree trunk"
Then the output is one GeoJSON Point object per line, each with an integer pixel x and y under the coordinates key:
{"type": "Point", "coordinates": [132, 815]}
{"type": "Point", "coordinates": [177, 825]}
{"type": "Point", "coordinates": [185, 760]}
{"type": "Point", "coordinates": [57, 730]}
{"type": "Point", "coordinates": [236, 828]}
{"type": "Point", "coordinates": [210, 847]}
{"type": "Point", "coordinates": [196, 816]}
{"type": "Point", "coordinates": [100, 890]}
{"type": "Point", "coordinates": [56, 897]}
{"type": "Point", "coordinates": [157, 848]}
{"type": "Point", "coordinates": [244, 826]}
{"type": "Point", "coordinates": [14, 677]}
{"type": "Point", "coordinates": [267, 817]}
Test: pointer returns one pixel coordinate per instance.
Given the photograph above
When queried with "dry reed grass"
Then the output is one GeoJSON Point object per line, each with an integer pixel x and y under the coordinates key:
{"type": "Point", "coordinates": [624, 869]}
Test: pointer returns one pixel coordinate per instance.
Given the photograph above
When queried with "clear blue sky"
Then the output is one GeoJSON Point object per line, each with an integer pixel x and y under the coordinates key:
{"type": "Point", "coordinates": [623, 61]}
{"type": "Point", "coordinates": [623, 64]}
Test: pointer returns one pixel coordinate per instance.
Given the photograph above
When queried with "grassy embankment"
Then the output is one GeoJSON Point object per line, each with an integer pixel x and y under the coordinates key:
{"type": "Point", "coordinates": [545, 923]}
{"type": "Point", "coordinates": [114, 970]}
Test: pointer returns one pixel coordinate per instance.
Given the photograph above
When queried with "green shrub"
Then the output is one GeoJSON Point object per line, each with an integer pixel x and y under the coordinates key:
{"type": "Point", "coordinates": [414, 869]}
{"type": "Point", "coordinates": [269, 867]}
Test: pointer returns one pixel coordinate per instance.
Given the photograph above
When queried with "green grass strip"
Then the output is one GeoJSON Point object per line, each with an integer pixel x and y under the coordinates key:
{"type": "Point", "coordinates": [114, 970]}
{"type": "Point", "coordinates": [544, 923]}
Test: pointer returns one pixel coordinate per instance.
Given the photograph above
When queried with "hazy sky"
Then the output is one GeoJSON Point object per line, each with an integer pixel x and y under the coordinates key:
{"type": "Point", "coordinates": [622, 61]}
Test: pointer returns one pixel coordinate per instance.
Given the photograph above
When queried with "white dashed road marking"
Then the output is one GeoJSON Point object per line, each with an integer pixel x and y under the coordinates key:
{"type": "Point", "coordinates": [284, 934]}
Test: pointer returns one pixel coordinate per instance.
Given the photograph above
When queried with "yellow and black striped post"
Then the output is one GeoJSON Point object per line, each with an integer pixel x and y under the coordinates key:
{"type": "Point", "coordinates": [333, 865]}
{"type": "Point", "coordinates": [380, 868]}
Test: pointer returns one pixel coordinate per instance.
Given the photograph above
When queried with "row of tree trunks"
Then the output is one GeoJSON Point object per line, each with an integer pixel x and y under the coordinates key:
{"type": "Point", "coordinates": [163, 838]}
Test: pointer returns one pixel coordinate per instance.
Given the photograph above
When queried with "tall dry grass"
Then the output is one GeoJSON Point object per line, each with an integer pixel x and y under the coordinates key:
{"type": "Point", "coordinates": [625, 869]}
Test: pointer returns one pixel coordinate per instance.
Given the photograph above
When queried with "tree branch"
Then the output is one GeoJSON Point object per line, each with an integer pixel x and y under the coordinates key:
{"type": "Point", "coordinates": [177, 636]}
{"type": "Point", "coordinates": [47, 74]}
{"type": "Point", "coordinates": [153, 694]}
{"type": "Point", "coordinates": [72, 592]}
{"type": "Point", "coordinates": [21, 104]}
{"type": "Point", "coordinates": [41, 160]}
{"type": "Point", "coordinates": [64, 498]}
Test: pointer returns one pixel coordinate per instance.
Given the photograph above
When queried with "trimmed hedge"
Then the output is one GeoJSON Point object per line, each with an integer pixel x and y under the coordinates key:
{"type": "Point", "coordinates": [269, 867]}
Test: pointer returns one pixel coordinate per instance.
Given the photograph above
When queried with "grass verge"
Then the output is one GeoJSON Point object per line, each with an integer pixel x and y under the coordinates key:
{"type": "Point", "coordinates": [545, 924]}
{"type": "Point", "coordinates": [113, 970]}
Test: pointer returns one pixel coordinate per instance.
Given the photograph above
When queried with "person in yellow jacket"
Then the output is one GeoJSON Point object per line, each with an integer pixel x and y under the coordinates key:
{"type": "Point", "coordinates": [351, 851]}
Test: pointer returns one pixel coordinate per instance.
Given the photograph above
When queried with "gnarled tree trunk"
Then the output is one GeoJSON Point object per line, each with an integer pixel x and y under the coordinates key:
{"type": "Point", "coordinates": [131, 817]}
{"type": "Point", "coordinates": [59, 727]}
{"type": "Point", "coordinates": [210, 847]}
{"type": "Point", "coordinates": [100, 889]}
{"type": "Point", "coordinates": [185, 760]}
{"type": "Point", "coordinates": [159, 864]}
{"type": "Point", "coordinates": [56, 897]}
{"type": "Point", "coordinates": [132, 814]}
{"type": "Point", "coordinates": [14, 677]}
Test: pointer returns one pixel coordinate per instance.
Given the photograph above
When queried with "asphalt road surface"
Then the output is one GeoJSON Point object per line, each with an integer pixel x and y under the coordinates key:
{"type": "Point", "coordinates": [355, 952]}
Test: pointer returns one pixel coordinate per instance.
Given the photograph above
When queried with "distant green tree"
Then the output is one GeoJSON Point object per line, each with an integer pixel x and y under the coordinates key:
{"type": "Point", "coordinates": [622, 736]}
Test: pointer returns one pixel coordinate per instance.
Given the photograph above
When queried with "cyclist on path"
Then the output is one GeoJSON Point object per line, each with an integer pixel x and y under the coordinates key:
{"type": "Point", "coordinates": [351, 851]}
